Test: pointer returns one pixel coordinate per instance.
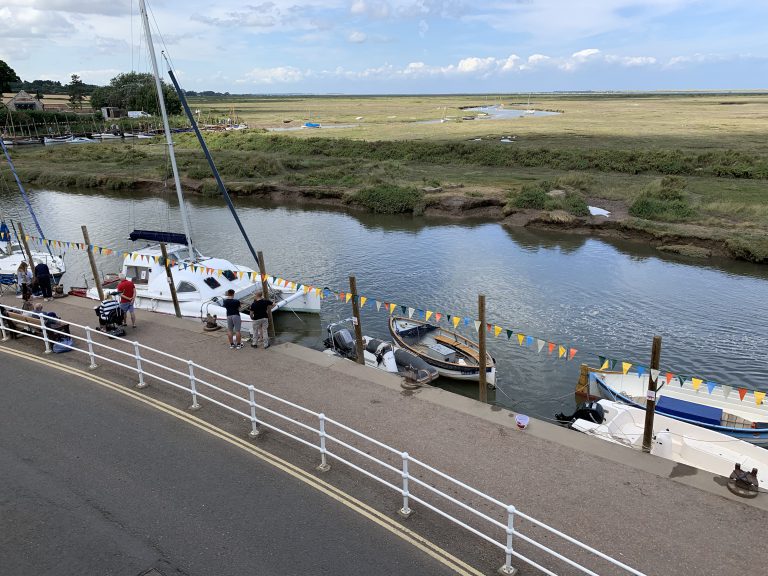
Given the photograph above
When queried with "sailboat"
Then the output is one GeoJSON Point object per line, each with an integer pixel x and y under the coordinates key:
{"type": "Point", "coordinates": [200, 281]}
{"type": "Point", "coordinates": [11, 253]}
{"type": "Point", "coordinates": [529, 110]}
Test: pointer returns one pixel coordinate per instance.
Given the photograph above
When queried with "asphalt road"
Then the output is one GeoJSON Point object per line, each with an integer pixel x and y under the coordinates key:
{"type": "Point", "coordinates": [93, 482]}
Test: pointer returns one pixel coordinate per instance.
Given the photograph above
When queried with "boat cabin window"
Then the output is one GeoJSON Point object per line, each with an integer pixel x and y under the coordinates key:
{"type": "Point", "coordinates": [212, 282]}
{"type": "Point", "coordinates": [185, 286]}
{"type": "Point", "coordinates": [139, 274]}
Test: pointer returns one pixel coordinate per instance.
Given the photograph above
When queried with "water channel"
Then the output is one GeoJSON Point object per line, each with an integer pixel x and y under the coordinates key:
{"type": "Point", "coordinates": [601, 297]}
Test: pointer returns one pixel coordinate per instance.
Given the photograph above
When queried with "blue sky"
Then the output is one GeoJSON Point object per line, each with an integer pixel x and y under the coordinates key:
{"type": "Point", "coordinates": [400, 46]}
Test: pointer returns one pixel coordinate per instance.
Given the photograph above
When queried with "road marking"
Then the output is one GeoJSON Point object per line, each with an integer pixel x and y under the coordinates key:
{"type": "Point", "coordinates": [429, 548]}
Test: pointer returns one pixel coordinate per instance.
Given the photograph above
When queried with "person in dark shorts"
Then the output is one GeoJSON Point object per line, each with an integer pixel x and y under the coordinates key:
{"type": "Point", "coordinates": [260, 308]}
{"type": "Point", "coordinates": [43, 276]}
{"type": "Point", "coordinates": [232, 306]}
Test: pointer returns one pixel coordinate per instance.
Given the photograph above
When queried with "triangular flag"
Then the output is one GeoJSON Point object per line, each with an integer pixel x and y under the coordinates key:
{"type": "Point", "coordinates": [392, 308]}
{"type": "Point", "coordinates": [477, 325]}
{"type": "Point", "coordinates": [509, 334]}
{"type": "Point", "coordinates": [347, 298]}
{"type": "Point", "coordinates": [456, 320]}
{"type": "Point", "coordinates": [403, 308]}
{"type": "Point", "coordinates": [759, 397]}
{"type": "Point", "coordinates": [710, 386]}
{"type": "Point", "coordinates": [363, 300]}
{"type": "Point", "coordinates": [410, 312]}
{"type": "Point", "coordinates": [571, 353]}
{"type": "Point", "coordinates": [681, 379]}
{"type": "Point", "coordinates": [742, 393]}
{"type": "Point", "coordinates": [625, 366]}
{"type": "Point", "coordinates": [529, 340]}
{"type": "Point", "coordinates": [696, 382]}
{"type": "Point", "coordinates": [429, 314]}
{"type": "Point", "coordinates": [640, 370]}
{"type": "Point", "coordinates": [466, 321]}
{"type": "Point", "coordinates": [378, 305]}
{"type": "Point", "coordinates": [539, 345]}
{"type": "Point", "coordinates": [520, 338]}
{"type": "Point", "coordinates": [655, 374]}
{"type": "Point", "coordinates": [550, 348]}
{"type": "Point", "coordinates": [438, 316]}
{"type": "Point", "coordinates": [726, 390]}
{"type": "Point", "coordinates": [496, 330]}
{"type": "Point", "coordinates": [560, 351]}
{"type": "Point", "coordinates": [604, 365]}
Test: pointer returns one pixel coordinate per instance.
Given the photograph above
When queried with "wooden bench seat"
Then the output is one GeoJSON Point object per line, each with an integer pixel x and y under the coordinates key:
{"type": "Point", "coordinates": [447, 341]}
{"type": "Point", "coordinates": [22, 323]}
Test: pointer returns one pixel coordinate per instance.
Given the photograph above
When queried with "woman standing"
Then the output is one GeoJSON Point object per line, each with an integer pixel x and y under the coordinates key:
{"type": "Point", "coordinates": [24, 279]}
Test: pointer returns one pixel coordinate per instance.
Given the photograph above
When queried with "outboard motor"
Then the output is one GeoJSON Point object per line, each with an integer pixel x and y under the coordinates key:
{"type": "Point", "coordinates": [340, 339]}
{"type": "Point", "coordinates": [591, 411]}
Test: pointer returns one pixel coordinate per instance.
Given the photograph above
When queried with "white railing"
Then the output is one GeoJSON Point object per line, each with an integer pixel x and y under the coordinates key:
{"type": "Point", "coordinates": [408, 471]}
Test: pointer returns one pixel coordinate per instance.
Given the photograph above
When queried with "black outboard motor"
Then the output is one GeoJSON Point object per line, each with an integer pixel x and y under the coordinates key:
{"type": "Point", "coordinates": [592, 411]}
{"type": "Point", "coordinates": [340, 339]}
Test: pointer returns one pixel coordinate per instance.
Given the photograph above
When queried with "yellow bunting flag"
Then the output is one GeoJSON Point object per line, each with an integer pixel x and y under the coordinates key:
{"type": "Point", "coordinates": [604, 365]}
{"type": "Point", "coordinates": [429, 314]}
{"type": "Point", "coordinates": [392, 307]}
{"type": "Point", "coordinates": [625, 366]}
{"type": "Point", "coordinates": [363, 300]}
{"type": "Point", "coordinates": [560, 351]}
{"type": "Point", "coordinates": [306, 289]}
{"type": "Point", "coordinates": [496, 330]}
{"type": "Point", "coordinates": [347, 297]}
{"type": "Point", "coordinates": [456, 321]}
{"type": "Point", "coordinates": [520, 338]}
{"type": "Point", "coordinates": [696, 382]}
{"type": "Point", "coordinates": [759, 397]}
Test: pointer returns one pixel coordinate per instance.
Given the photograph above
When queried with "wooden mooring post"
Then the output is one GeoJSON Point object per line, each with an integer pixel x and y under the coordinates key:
{"type": "Point", "coordinates": [650, 404]}
{"type": "Point", "coordinates": [265, 290]}
{"type": "Point", "coordinates": [23, 239]}
{"type": "Point", "coordinates": [358, 325]}
{"type": "Point", "coordinates": [92, 260]}
{"type": "Point", "coordinates": [171, 285]}
{"type": "Point", "coordinates": [481, 341]}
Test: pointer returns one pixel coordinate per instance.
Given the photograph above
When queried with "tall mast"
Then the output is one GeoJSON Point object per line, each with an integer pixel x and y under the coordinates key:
{"type": "Point", "coordinates": [166, 127]}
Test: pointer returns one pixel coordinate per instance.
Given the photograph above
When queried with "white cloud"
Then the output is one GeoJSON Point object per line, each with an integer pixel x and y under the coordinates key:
{"type": "Point", "coordinates": [423, 28]}
{"type": "Point", "coordinates": [357, 37]}
{"type": "Point", "coordinates": [584, 54]}
{"type": "Point", "coordinates": [476, 65]}
{"type": "Point", "coordinates": [278, 75]}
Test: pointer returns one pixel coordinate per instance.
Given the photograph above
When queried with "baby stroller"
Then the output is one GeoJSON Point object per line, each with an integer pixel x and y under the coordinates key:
{"type": "Point", "coordinates": [111, 318]}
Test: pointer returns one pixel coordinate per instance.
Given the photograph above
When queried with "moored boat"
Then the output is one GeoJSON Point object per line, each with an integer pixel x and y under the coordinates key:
{"type": "Point", "coordinates": [455, 356]}
{"type": "Point", "coordinates": [716, 407]}
{"type": "Point", "coordinates": [378, 354]}
{"type": "Point", "coordinates": [675, 440]}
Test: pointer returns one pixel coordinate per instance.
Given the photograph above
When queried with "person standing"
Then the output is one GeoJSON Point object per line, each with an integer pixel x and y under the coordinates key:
{"type": "Point", "coordinates": [24, 279]}
{"type": "Point", "coordinates": [127, 290]}
{"type": "Point", "coordinates": [260, 309]}
{"type": "Point", "coordinates": [43, 275]}
{"type": "Point", "coordinates": [232, 306]}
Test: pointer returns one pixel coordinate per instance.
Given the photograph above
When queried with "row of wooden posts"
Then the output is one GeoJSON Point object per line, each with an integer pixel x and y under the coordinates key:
{"type": "Point", "coordinates": [482, 385]}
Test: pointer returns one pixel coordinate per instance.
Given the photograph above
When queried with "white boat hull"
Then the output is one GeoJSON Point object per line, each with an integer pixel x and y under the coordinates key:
{"type": "Point", "coordinates": [10, 263]}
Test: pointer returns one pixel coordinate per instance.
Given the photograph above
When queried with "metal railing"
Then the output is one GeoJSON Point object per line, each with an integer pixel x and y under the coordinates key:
{"type": "Point", "coordinates": [406, 471]}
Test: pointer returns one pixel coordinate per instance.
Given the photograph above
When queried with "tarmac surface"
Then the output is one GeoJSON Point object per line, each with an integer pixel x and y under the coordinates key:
{"type": "Point", "coordinates": [655, 516]}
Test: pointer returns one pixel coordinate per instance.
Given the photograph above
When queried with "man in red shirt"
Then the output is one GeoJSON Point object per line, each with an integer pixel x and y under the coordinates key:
{"type": "Point", "coordinates": [127, 291]}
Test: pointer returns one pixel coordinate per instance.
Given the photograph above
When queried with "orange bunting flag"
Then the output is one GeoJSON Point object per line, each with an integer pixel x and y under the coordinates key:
{"type": "Point", "coordinates": [363, 300]}
{"type": "Point", "coordinates": [438, 316]}
{"type": "Point", "coordinates": [560, 351]}
{"type": "Point", "coordinates": [742, 393]}
{"type": "Point", "coordinates": [625, 366]}
{"type": "Point", "coordinates": [392, 308]}
{"type": "Point", "coordinates": [571, 353]}
{"type": "Point", "coordinates": [669, 377]}
{"type": "Point", "coordinates": [759, 397]}
{"type": "Point", "coordinates": [550, 347]}
{"type": "Point", "coordinates": [604, 366]}
{"type": "Point", "coordinates": [696, 383]}
{"type": "Point", "coordinates": [429, 314]}
{"type": "Point", "coordinates": [496, 330]}
{"type": "Point", "coordinates": [456, 321]}
{"type": "Point", "coordinates": [347, 298]}
{"type": "Point", "coordinates": [521, 337]}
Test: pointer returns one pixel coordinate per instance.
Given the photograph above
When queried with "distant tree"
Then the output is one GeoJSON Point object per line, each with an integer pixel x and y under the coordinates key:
{"type": "Point", "coordinates": [39, 95]}
{"type": "Point", "coordinates": [135, 91]}
{"type": "Point", "coordinates": [75, 90]}
{"type": "Point", "coordinates": [7, 75]}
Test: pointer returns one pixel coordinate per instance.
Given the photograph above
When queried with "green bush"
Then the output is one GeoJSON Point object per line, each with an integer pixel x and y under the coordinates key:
{"type": "Point", "coordinates": [389, 199]}
{"type": "Point", "coordinates": [535, 196]}
{"type": "Point", "coordinates": [663, 200]}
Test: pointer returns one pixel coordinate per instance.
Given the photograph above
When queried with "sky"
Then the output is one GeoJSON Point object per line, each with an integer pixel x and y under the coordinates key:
{"type": "Point", "coordinates": [398, 46]}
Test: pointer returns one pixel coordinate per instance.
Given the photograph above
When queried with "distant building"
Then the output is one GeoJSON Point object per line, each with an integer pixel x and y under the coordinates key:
{"type": "Point", "coordinates": [109, 112]}
{"type": "Point", "coordinates": [23, 101]}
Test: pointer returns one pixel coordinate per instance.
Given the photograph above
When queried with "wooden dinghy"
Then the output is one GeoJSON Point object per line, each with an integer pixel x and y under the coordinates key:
{"type": "Point", "coordinates": [455, 356]}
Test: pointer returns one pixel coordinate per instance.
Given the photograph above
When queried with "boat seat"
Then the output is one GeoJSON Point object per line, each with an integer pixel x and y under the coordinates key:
{"type": "Point", "coordinates": [458, 346]}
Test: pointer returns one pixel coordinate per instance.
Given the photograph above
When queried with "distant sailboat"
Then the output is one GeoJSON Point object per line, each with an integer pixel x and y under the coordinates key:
{"type": "Point", "coordinates": [529, 110]}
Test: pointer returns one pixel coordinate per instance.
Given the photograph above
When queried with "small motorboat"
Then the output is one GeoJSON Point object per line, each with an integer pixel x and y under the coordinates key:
{"type": "Point", "coordinates": [455, 356]}
{"type": "Point", "coordinates": [311, 125]}
{"type": "Point", "coordinates": [54, 140]}
{"type": "Point", "coordinates": [378, 354]}
{"type": "Point", "coordinates": [671, 439]}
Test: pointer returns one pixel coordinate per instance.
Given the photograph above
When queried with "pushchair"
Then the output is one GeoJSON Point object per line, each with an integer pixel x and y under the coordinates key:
{"type": "Point", "coordinates": [111, 318]}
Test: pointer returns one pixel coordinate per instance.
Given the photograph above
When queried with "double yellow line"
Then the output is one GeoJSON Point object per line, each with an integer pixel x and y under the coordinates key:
{"type": "Point", "coordinates": [347, 500]}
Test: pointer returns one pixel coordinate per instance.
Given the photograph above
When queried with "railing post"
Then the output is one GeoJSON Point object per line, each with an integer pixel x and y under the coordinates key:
{"type": "Point", "coordinates": [137, 353]}
{"type": "Point", "coordinates": [93, 365]}
{"type": "Point", "coordinates": [324, 466]}
{"type": "Point", "coordinates": [405, 511]}
{"type": "Point", "coordinates": [45, 333]}
{"type": "Point", "coordinates": [508, 569]}
{"type": "Point", "coordinates": [2, 328]}
{"type": "Point", "coordinates": [193, 387]}
{"type": "Point", "coordinates": [254, 422]}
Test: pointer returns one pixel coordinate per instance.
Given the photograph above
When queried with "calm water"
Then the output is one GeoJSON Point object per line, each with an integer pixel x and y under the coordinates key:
{"type": "Point", "coordinates": [600, 297]}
